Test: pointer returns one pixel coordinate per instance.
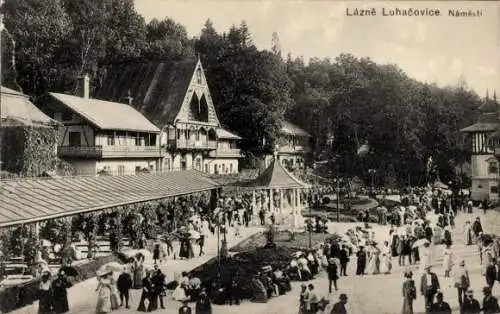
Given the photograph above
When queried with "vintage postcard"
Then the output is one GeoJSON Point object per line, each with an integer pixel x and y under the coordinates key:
{"type": "Point", "coordinates": [226, 156]}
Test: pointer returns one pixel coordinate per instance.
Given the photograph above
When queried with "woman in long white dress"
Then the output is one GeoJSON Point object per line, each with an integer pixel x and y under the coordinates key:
{"type": "Point", "coordinates": [447, 261]}
{"type": "Point", "coordinates": [425, 256]}
{"type": "Point", "coordinates": [385, 260]}
{"type": "Point", "coordinates": [104, 294]}
{"type": "Point", "coordinates": [373, 266]}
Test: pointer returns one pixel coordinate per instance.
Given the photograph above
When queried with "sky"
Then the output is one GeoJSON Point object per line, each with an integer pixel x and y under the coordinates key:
{"type": "Point", "coordinates": [439, 50]}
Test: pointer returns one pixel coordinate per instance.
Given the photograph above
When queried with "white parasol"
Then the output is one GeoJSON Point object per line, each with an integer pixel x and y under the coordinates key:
{"type": "Point", "coordinates": [420, 243]}
{"type": "Point", "coordinates": [112, 266]}
{"type": "Point", "coordinates": [195, 235]}
{"type": "Point", "coordinates": [45, 243]}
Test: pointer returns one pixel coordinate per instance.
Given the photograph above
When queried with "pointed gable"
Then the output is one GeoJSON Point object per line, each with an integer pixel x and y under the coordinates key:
{"type": "Point", "coordinates": [162, 91]}
{"type": "Point", "coordinates": [198, 104]}
{"type": "Point", "coordinates": [275, 177]}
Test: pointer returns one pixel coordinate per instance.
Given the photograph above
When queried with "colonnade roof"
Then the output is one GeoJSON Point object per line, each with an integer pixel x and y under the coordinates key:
{"type": "Point", "coordinates": [32, 200]}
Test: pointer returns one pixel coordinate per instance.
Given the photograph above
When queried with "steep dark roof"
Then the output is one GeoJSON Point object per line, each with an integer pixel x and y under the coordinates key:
{"type": "Point", "coordinates": [157, 88]}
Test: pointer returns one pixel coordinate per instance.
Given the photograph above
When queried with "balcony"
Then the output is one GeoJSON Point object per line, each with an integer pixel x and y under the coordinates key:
{"type": "Point", "coordinates": [109, 151]}
{"type": "Point", "coordinates": [297, 149]}
{"type": "Point", "coordinates": [192, 145]}
{"type": "Point", "coordinates": [226, 153]}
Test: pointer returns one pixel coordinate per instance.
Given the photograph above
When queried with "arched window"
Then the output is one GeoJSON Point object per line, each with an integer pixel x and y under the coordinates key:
{"type": "Point", "coordinates": [199, 108]}
{"type": "Point", "coordinates": [198, 76]}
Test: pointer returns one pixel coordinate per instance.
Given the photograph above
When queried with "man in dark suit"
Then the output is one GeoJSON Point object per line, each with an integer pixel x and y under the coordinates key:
{"type": "Point", "coordinates": [344, 259]}
{"type": "Point", "coordinates": [440, 306]}
{"type": "Point", "coordinates": [429, 285]}
{"type": "Point", "coordinates": [158, 281]}
{"type": "Point", "coordinates": [332, 271]}
{"type": "Point", "coordinates": [490, 303]}
{"type": "Point", "coordinates": [124, 284]}
{"type": "Point", "coordinates": [469, 304]}
{"type": "Point", "coordinates": [339, 307]}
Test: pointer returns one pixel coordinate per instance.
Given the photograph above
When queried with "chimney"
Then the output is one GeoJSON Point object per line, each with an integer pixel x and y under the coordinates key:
{"type": "Point", "coordinates": [83, 87]}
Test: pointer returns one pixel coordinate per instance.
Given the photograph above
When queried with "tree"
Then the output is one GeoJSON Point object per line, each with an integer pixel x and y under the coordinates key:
{"type": "Point", "coordinates": [250, 88]}
{"type": "Point", "coordinates": [167, 39]}
{"type": "Point", "coordinates": [40, 29]}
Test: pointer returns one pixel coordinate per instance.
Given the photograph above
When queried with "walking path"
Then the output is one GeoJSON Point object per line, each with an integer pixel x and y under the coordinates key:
{"type": "Point", "coordinates": [82, 297]}
{"type": "Point", "coordinates": [367, 294]}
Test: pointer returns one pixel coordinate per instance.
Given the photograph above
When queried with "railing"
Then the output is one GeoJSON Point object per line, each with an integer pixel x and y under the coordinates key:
{"type": "Point", "coordinates": [189, 144]}
{"type": "Point", "coordinates": [226, 152]}
{"type": "Point", "coordinates": [108, 151]}
{"type": "Point", "coordinates": [293, 149]}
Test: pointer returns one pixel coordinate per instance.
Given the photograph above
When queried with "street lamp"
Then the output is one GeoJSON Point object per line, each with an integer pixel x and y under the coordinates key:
{"type": "Point", "coordinates": [372, 173]}
{"type": "Point", "coordinates": [338, 180]}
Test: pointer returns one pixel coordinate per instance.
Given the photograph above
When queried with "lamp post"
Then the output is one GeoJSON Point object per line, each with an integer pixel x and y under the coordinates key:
{"type": "Point", "coordinates": [372, 174]}
{"type": "Point", "coordinates": [338, 180]}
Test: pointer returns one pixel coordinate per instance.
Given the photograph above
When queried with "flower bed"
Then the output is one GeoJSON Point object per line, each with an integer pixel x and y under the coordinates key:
{"type": "Point", "coordinates": [247, 264]}
{"type": "Point", "coordinates": [332, 215]}
{"type": "Point", "coordinates": [283, 239]}
{"type": "Point", "coordinates": [252, 256]}
{"type": "Point", "coordinates": [14, 297]}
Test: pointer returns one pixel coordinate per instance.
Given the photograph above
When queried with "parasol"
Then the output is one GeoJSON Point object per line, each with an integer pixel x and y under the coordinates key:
{"type": "Point", "coordinates": [113, 267]}
{"type": "Point", "coordinates": [102, 271]}
{"type": "Point", "coordinates": [195, 235]}
{"type": "Point", "coordinates": [420, 243]}
{"type": "Point", "coordinates": [45, 243]}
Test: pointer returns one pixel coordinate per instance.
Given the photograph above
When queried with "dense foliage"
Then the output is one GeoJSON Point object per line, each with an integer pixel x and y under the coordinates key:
{"type": "Point", "coordinates": [363, 115]}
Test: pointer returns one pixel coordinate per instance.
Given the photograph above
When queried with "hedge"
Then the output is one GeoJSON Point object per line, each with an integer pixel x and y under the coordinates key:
{"type": "Point", "coordinates": [15, 297]}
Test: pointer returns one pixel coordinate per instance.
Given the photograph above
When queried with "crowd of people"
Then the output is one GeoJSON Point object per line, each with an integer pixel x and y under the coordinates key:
{"type": "Point", "coordinates": [412, 238]}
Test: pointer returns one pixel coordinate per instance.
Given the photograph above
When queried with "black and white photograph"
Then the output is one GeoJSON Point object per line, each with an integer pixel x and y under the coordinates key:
{"type": "Point", "coordinates": [249, 156]}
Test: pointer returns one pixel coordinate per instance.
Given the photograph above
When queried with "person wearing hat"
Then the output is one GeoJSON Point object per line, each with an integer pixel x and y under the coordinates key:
{"type": "Point", "coordinates": [409, 292]}
{"type": "Point", "coordinates": [333, 276]}
{"type": "Point", "coordinates": [477, 228]}
{"type": "Point", "coordinates": [185, 309]}
{"type": "Point", "coordinates": [312, 299]}
{"type": "Point", "coordinates": [203, 305]}
{"type": "Point", "coordinates": [59, 288]}
{"type": "Point", "coordinates": [303, 298]}
{"type": "Point", "coordinates": [124, 285]}
{"type": "Point", "coordinates": [440, 307]}
{"type": "Point", "coordinates": [104, 303]}
{"type": "Point", "coordinates": [46, 297]}
{"type": "Point", "coordinates": [339, 307]}
{"type": "Point", "coordinates": [462, 281]}
{"type": "Point", "coordinates": [470, 305]}
{"type": "Point", "coordinates": [490, 303]}
{"type": "Point", "coordinates": [361, 261]}
{"type": "Point", "coordinates": [429, 285]}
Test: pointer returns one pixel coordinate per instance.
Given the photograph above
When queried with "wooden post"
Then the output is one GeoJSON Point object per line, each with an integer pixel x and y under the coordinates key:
{"type": "Point", "coordinates": [271, 200]}
{"type": "Point", "coordinates": [281, 200]}
{"type": "Point", "coordinates": [299, 191]}
{"type": "Point", "coordinates": [254, 205]}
